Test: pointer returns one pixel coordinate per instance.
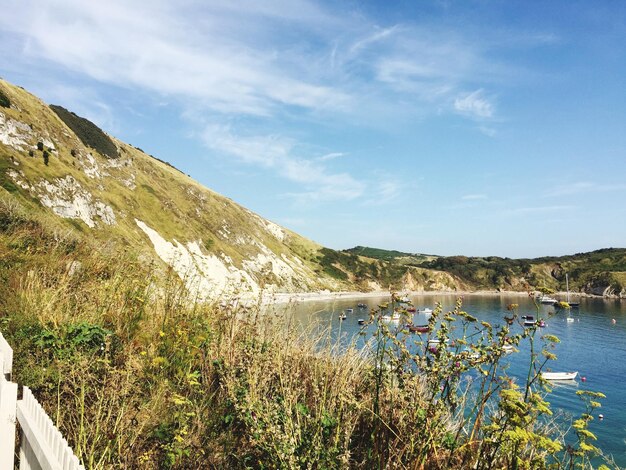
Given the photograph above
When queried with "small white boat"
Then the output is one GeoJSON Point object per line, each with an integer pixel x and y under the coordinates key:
{"type": "Point", "coordinates": [425, 310]}
{"type": "Point", "coordinates": [349, 310]}
{"type": "Point", "coordinates": [570, 320]}
{"type": "Point", "coordinates": [433, 343]}
{"type": "Point", "coordinates": [361, 321]}
{"type": "Point", "coordinates": [529, 320]}
{"type": "Point", "coordinates": [342, 316]}
{"type": "Point", "coordinates": [508, 348]}
{"type": "Point", "coordinates": [559, 375]}
{"type": "Point", "coordinates": [545, 299]}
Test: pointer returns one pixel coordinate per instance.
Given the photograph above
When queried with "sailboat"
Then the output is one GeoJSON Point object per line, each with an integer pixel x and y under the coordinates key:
{"type": "Point", "coordinates": [571, 304]}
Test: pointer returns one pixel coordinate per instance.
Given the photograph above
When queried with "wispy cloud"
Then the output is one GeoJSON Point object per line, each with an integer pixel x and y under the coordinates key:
{"type": "Point", "coordinates": [474, 104]}
{"type": "Point", "coordinates": [280, 154]}
{"type": "Point", "coordinates": [540, 209]}
{"type": "Point", "coordinates": [580, 187]}
{"type": "Point", "coordinates": [199, 51]}
{"type": "Point", "coordinates": [257, 59]}
{"type": "Point", "coordinates": [331, 156]}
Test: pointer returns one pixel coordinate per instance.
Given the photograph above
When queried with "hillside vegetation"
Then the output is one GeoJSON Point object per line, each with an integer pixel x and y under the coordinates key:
{"type": "Point", "coordinates": [600, 272]}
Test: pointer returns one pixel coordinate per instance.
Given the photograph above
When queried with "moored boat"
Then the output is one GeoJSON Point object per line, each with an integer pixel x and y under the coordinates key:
{"type": "Point", "coordinates": [419, 328]}
{"type": "Point", "coordinates": [425, 310]}
{"type": "Point", "coordinates": [559, 375]}
{"type": "Point", "coordinates": [529, 320]}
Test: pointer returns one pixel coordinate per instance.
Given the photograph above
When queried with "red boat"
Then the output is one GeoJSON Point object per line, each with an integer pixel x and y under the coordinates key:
{"type": "Point", "coordinates": [419, 328]}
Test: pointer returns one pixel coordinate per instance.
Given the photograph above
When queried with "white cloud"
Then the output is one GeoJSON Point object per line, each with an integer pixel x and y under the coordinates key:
{"type": "Point", "coordinates": [540, 209]}
{"type": "Point", "coordinates": [279, 154]}
{"type": "Point", "coordinates": [474, 104]}
{"type": "Point", "coordinates": [580, 187]}
{"type": "Point", "coordinates": [256, 58]}
{"type": "Point", "coordinates": [331, 156]}
{"type": "Point", "coordinates": [196, 50]}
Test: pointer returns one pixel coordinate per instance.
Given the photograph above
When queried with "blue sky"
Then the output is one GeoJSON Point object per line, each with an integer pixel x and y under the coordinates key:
{"type": "Point", "coordinates": [449, 127]}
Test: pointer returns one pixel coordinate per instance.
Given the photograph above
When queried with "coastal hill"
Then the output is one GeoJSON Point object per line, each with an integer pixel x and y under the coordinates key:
{"type": "Point", "coordinates": [61, 168]}
{"type": "Point", "coordinates": [599, 272]}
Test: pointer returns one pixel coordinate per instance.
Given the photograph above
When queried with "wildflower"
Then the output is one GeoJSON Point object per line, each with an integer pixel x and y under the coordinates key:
{"type": "Point", "coordinates": [161, 333]}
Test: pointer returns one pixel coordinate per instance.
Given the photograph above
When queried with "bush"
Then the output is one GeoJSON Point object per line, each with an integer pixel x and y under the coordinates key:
{"type": "Point", "coordinates": [46, 157]}
{"type": "Point", "coordinates": [4, 100]}
{"type": "Point", "coordinates": [88, 133]}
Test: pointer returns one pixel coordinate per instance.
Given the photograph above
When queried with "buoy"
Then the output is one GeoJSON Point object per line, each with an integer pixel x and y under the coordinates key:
{"type": "Point", "coordinates": [614, 321]}
{"type": "Point", "coordinates": [584, 379]}
{"type": "Point", "coordinates": [601, 416]}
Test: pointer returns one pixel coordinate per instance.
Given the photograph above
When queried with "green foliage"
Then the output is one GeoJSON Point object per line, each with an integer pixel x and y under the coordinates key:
{"type": "Point", "coordinates": [4, 100]}
{"type": "Point", "coordinates": [387, 255]}
{"type": "Point", "coordinates": [82, 337]}
{"type": "Point", "coordinates": [46, 157]}
{"type": "Point", "coordinates": [6, 182]}
{"type": "Point", "coordinates": [40, 146]}
{"type": "Point", "coordinates": [89, 134]}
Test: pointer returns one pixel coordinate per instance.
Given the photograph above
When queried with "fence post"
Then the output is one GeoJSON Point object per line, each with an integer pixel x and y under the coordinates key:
{"type": "Point", "coordinates": [8, 403]}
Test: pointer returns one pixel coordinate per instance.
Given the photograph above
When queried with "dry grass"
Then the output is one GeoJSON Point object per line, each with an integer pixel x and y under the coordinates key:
{"type": "Point", "coordinates": [137, 375]}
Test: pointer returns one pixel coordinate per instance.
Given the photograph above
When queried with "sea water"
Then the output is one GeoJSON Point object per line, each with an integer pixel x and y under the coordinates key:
{"type": "Point", "coordinates": [593, 344]}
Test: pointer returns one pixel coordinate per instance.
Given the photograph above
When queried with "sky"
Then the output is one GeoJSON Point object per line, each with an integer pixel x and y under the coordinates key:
{"type": "Point", "coordinates": [474, 127]}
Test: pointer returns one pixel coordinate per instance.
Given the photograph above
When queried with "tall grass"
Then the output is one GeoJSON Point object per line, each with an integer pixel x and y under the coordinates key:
{"type": "Point", "coordinates": [138, 375]}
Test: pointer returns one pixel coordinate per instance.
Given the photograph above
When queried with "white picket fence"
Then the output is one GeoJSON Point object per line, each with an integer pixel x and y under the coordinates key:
{"type": "Point", "coordinates": [41, 444]}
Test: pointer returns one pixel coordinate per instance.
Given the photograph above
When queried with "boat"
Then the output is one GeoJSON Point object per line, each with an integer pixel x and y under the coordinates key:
{"type": "Point", "coordinates": [571, 304]}
{"type": "Point", "coordinates": [546, 299]}
{"type": "Point", "coordinates": [361, 321]}
{"type": "Point", "coordinates": [411, 309]}
{"type": "Point", "coordinates": [361, 305]}
{"type": "Point", "coordinates": [508, 348]}
{"type": "Point", "coordinates": [434, 343]}
{"type": "Point", "coordinates": [349, 310]}
{"type": "Point", "coordinates": [559, 375]}
{"type": "Point", "coordinates": [570, 320]}
{"type": "Point", "coordinates": [529, 320]}
{"type": "Point", "coordinates": [419, 328]}
{"type": "Point", "coordinates": [342, 316]}
{"type": "Point", "coordinates": [404, 300]}
{"type": "Point", "coordinates": [425, 310]}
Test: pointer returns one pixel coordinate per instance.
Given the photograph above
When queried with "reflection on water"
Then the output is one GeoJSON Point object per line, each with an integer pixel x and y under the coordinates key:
{"type": "Point", "coordinates": [591, 344]}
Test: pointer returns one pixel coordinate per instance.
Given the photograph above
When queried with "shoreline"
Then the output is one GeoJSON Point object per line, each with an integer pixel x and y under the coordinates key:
{"type": "Point", "coordinates": [297, 297]}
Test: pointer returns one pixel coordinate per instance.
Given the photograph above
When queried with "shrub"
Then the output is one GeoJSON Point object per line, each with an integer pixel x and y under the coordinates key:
{"type": "Point", "coordinates": [46, 157]}
{"type": "Point", "coordinates": [40, 146]}
{"type": "Point", "coordinates": [4, 100]}
{"type": "Point", "coordinates": [88, 133]}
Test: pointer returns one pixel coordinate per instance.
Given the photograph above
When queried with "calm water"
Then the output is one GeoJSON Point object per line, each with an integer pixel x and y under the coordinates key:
{"type": "Point", "coordinates": [592, 345]}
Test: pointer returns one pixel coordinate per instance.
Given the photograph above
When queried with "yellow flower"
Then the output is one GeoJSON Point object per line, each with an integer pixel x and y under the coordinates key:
{"type": "Point", "coordinates": [161, 333]}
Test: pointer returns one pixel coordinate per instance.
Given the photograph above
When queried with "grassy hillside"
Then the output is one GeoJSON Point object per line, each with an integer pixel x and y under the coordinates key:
{"type": "Point", "coordinates": [597, 272]}
{"type": "Point", "coordinates": [59, 162]}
